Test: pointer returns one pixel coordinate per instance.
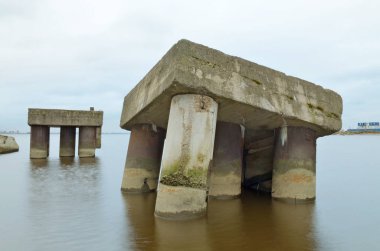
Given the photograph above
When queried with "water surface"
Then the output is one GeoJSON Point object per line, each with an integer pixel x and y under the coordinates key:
{"type": "Point", "coordinates": [76, 204]}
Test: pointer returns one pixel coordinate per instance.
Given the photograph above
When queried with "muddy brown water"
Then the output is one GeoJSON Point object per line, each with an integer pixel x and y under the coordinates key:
{"type": "Point", "coordinates": [76, 204]}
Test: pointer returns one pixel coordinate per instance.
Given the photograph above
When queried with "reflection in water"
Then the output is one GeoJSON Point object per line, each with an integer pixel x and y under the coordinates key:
{"type": "Point", "coordinates": [38, 163]}
{"type": "Point", "coordinates": [89, 161]}
{"type": "Point", "coordinates": [66, 161]}
{"type": "Point", "coordinates": [252, 222]}
{"type": "Point", "coordinates": [294, 225]}
{"type": "Point", "coordinates": [76, 204]}
{"type": "Point", "coordinates": [139, 210]}
{"type": "Point", "coordinates": [62, 191]}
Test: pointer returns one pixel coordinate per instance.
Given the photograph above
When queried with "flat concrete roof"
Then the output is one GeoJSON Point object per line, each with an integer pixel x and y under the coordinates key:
{"type": "Point", "coordinates": [58, 117]}
{"type": "Point", "coordinates": [247, 93]}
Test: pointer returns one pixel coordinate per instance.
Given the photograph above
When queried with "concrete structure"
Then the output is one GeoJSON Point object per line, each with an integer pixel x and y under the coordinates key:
{"type": "Point", "coordinates": [194, 86]}
{"type": "Point", "coordinates": [259, 152]}
{"type": "Point", "coordinates": [142, 166]}
{"type": "Point", "coordinates": [89, 123]}
{"type": "Point", "coordinates": [226, 170]}
{"type": "Point", "coordinates": [294, 164]}
{"type": "Point", "coordinates": [187, 155]}
{"type": "Point", "coordinates": [8, 144]}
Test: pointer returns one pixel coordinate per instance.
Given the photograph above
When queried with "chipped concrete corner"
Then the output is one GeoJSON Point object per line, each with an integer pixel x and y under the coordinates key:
{"type": "Point", "coordinates": [192, 91]}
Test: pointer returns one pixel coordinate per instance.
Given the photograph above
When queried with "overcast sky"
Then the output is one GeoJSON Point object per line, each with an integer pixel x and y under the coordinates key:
{"type": "Point", "coordinates": [74, 54]}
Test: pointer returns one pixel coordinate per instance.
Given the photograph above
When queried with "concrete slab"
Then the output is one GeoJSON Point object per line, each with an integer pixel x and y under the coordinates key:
{"type": "Point", "coordinates": [58, 117]}
{"type": "Point", "coordinates": [255, 96]}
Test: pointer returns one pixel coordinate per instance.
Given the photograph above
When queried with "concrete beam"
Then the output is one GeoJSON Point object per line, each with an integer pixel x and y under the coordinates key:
{"type": "Point", "coordinates": [143, 161]}
{"type": "Point", "coordinates": [187, 155]}
{"type": "Point", "coordinates": [294, 164]}
{"type": "Point", "coordinates": [57, 118]}
{"type": "Point", "coordinates": [39, 142]}
{"type": "Point", "coordinates": [67, 141]}
{"type": "Point", "coordinates": [247, 93]}
{"type": "Point", "coordinates": [226, 170]}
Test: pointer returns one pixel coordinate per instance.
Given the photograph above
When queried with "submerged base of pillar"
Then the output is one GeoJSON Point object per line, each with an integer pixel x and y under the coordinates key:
{"type": "Point", "coordinates": [86, 153]}
{"type": "Point", "coordinates": [38, 154]}
{"type": "Point", "coordinates": [138, 180]}
{"type": "Point", "coordinates": [226, 186]}
{"type": "Point", "coordinates": [180, 203]}
{"type": "Point", "coordinates": [294, 165]}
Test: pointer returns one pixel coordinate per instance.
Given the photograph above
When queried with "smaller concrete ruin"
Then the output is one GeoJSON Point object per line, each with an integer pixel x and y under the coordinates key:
{"type": "Point", "coordinates": [89, 123]}
{"type": "Point", "coordinates": [8, 144]}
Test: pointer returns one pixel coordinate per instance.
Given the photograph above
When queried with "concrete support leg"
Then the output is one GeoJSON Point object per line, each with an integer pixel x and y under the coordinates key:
{"type": "Point", "coordinates": [294, 164]}
{"type": "Point", "coordinates": [259, 152]}
{"type": "Point", "coordinates": [39, 142]}
{"type": "Point", "coordinates": [142, 166]}
{"type": "Point", "coordinates": [226, 171]}
{"type": "Point", "coordinates": [67, 141]}
{"type": "Point", "coordinates": [187, 155]}
{"type": "Point", "coordinates": [98, 137]}
{"type": "Point", "coordinates": [87, 141]}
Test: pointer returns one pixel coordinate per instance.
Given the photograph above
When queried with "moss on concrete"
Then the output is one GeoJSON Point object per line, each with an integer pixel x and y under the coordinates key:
{"type": "Point", "coordinates": [192, 179]}
{"type": "Point", "coordinates": [283, 165]}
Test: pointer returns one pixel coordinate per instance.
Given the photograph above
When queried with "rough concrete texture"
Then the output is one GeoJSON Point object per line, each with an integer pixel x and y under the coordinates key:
{"type": "Point", "coordinates": [180, 203]}
{"type": "Point", "coordinates": [259, 150]}
{"type": "Point", "coordinates": [8, 144]}
{"type": "Point", "coordinates": [143, 161]}
{"type": "Point", "coordinates": [226, 170]}
{"type": "Point", "coordinates": [294, 164]}
{"type": "Point", "coordinates": [187, 155]}
{"type": "Point", "coordinates": [67, 141]}
{"type": "Point", "coordinates": [39, 142]}
{"type": "Point", "coordinates": [87, 141]}
{"type": "Point", "coordinates": [55, 117]}
{"type": "Point", "coordinates": [247, 93]}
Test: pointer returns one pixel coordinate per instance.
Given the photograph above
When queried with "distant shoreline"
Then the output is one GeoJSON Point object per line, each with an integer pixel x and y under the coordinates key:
{"type": "Point", "coordinates": [356, 133]}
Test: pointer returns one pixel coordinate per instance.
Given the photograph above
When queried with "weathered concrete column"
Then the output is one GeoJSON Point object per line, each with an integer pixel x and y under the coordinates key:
{"type": "Point", "coordinates": [39, 142]}
{"type": "Point", "coordinates": [98, 137]}
{"type": "Point", "coordinates": [87, 141]}
{"type": "Point", "coordinates": [186, 158]}
{"type": "Point", "coordinates": [143, 161]}
{"type": "Point", "coordinates": [67, 141]}
{"type": "Point", "coordinates": [294, 164]}
{"type": "Point", "coordinates": [226, 171]}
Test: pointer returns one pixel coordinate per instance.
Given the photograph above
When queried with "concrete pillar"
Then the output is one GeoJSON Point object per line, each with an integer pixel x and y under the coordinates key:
{"type": "Point", "coordinates": [39, 142]}
{"type": "Point", "coordinates": [98, 137]}
{"type": "Point", "coordinates": [67, 141]}
{"type": "Point", "coordinates": [226, 171]}
{"type": "Point", "coordinates": [186, 158]}
{"type": "Point", "coordinates": [143, 161]}
{"type": "Point", "coordinates": [87, 141]}
{"type": "Point", "coordinates": [294, 164]}
{"type": "Point", "coordinates": [259, 152]}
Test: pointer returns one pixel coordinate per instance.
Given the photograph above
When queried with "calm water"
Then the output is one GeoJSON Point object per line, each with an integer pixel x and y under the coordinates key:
{"type": "Point", "coordinates": [73, 204]}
